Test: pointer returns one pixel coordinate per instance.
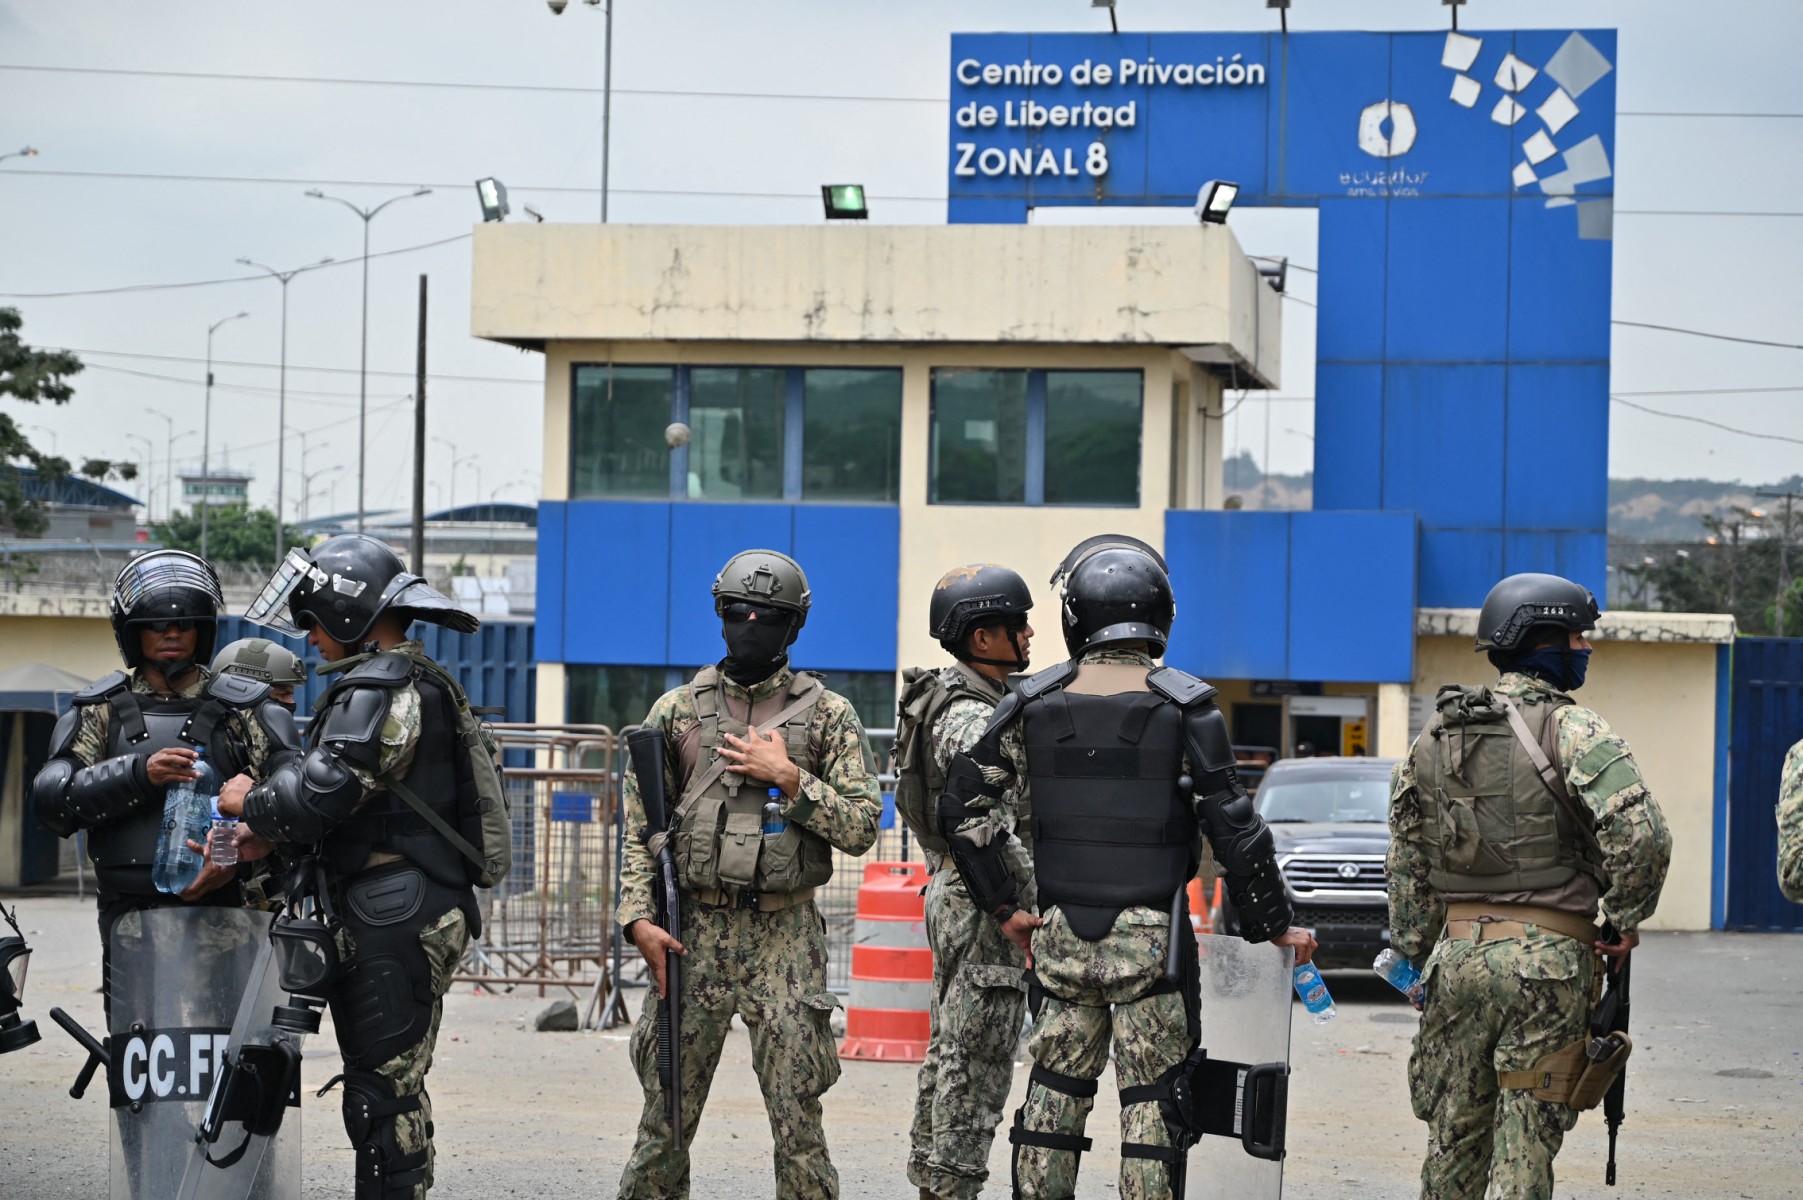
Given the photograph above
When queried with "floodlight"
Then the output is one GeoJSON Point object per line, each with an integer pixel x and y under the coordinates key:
{"type": "Point", "coordinates": [1215, 200]}
{"type": "Point", "coordinates": [844, 201]}
{"type": "Point", "coordinates": [493, 195]}
{"type": "Point", "coordinates": [1101, 3]}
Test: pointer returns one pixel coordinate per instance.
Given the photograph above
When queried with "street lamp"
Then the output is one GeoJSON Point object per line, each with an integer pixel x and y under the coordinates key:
{"type": "Point", "coordinates": [169, 461]}
{"type": "Point", "coordinates": [307, 492]}
{"type": "Point", "coordinates": [366, 215]}
{"type": "Point", "coordinates": [206, 435]}
{"type": "Point", "coordinates": [24, 152]}
{"type": "Point", "coordinates": [281, 424]}
{"type": "Point", "coordinates": [150, 458]}
{"type": "Point", "coordinates": [451, 483]}
{"type": "Point", "coordinates": [607, 84]}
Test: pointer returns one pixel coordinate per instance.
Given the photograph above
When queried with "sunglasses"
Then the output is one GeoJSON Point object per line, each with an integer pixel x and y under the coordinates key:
{"type": "Point", "coordinates": [741, 611]}
{"type": "Point", "coordinates": [183, 625]}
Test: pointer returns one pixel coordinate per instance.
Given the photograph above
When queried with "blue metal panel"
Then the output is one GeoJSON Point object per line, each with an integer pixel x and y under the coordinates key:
{"type": "Point", "coordinates": [1458, 567]}
{"type": "Point", "coordinates": [616, 581]}
{"type": "Point", "coordinates": [1724, 735]}
{"type": "Point", "coordinates": [701, 537]}
{"type": "Point", "coordinates": [1558, 288]}
{"type": "Point", "coordinates": [1238, 143]}
{"type": "Point", "coordinates": [1447, 293]}
{"type": "Point", "coordinates": [551, 554]}
{"type": "Point", "coordinates": [1557, 448]}
{"type": "Point", "coordinates": [1443, 434]}
{"type": "Point", "coordinates": [1353, 248]}
{"type": "Point", "coordinates": [1315, 100]}
{"type": "Point", "coordinates": [1577, 556]}
{"type": "Point", "coordinates": [1231, 571]}
{"type": "Point", "coordinates": [1767, 720]}
{"type": "Point", "coordinates": [1349, 428]}
{"type": "Point", "coordinates": [852, 555]}
{"type": "Point", "coordinates": [1352, 596]}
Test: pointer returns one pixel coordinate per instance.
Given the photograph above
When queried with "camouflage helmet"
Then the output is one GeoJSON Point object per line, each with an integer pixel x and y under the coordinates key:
{"type": "Point", "coordinates": [262, 659]}
{"type": "Point", "coordinates": [763, 577]}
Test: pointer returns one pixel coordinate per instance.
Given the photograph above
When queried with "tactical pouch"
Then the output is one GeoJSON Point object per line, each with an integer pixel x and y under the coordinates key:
{"type": "Point", "coordinates": [1576, 1075]}
{"type": "Point", "coordinates": [740, 841]}
{"type": "Point", "coordinates": [1605, 1058]}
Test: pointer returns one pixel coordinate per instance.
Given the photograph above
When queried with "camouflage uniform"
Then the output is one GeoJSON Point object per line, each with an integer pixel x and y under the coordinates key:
{"type": "Point", "coordinates": [768, 967]}
{"type": "Point", "coordinates": [1096, 992]}
{"type": "Point", "coordinates": [1500, 1004]}
{"type": "Point", "coordinates": [1790, 826]}
{"type": "Point", "coordinates": [444, 940]}
{"type": "Point", "coordinates": [90, 736]}
{"type": "Point", "coordinates": [977, 998]}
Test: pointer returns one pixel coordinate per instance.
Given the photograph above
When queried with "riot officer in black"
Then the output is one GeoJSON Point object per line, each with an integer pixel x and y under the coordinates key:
{"type": "Point", "coordinates": [131, 735]}
{"type": "Point", "coordinates": [380, 799]}
{"type": "Point", "coordinates": [1125, 765]}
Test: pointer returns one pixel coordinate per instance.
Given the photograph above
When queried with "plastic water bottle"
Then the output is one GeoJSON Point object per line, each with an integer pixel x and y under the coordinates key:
{"type": "Point", "coordinates": [774, 822]}
{"type": "Point", "coordinates": [1313, 990]}
{"type": "Point", "coordinates": [222, 839]}
{"type": "Point", "coordinates": [187, 816]}
{"type": "Point", "coordinates": [1400, 974]}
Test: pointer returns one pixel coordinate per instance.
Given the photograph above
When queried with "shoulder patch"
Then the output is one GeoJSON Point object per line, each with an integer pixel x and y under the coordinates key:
{"type": "Point", "coordinates": [1041, 682]}
{"type": "Point", "coordinates": [1179, 687]}
{"type": "Point", "coordinates": [101, 688]}
{"type": "Point", "coordinates": [382, 670]}
{"type": "Point", "coordinates": [238, 691]}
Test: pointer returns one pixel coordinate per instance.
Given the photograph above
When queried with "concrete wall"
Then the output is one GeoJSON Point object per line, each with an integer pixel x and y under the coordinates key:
{"type": "Point", "coordinates": [1660, 696]}
{"type": "Point", "coordinates": [73, 634]}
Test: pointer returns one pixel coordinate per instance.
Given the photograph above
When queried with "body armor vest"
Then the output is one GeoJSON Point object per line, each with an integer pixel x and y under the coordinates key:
{"type": "Point", "coordinates": [1111, 829]}
{"type": "Point", "coordinates": [1492, 825]}
{"type": "Point", "coordinates": [720, 842]}
{"type": "Point", "coordinates": [385, 823]}
{"type": "Point", "coordinates": [919, 781]}
{"type": "Point", "coordinates": [141, 724]}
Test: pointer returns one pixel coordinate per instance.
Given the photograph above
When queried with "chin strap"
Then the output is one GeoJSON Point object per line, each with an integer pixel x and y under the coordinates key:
{"type": "Point", "coordinates": [174, 672]}
{"type": "Point", "coordinates": [1017, 663]}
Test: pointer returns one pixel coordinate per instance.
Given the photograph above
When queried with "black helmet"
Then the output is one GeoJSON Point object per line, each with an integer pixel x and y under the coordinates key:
{"type": "Point", "coordinates": [345, 583]}
{"type": "Point", "coordinates": [1520, 602]}
{"type": "Point", "coordinates": [968, 598]}
{"type": "Point", "coordinates": [166, 585]}
{"type": "Point", "coordinates": [1116, 589]}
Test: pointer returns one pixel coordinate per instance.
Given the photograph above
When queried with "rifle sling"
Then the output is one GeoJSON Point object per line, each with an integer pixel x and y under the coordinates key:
{"type": "Point", "coordinates": [1550, 776]}
{"type": "Point", "coordinates": [437, 822]}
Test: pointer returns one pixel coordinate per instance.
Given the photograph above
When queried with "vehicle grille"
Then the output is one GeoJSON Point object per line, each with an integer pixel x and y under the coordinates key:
{"type": "Point", "coordinates": [1308, 873]}
{"type": "Point", "coordinates": [1318, 917]}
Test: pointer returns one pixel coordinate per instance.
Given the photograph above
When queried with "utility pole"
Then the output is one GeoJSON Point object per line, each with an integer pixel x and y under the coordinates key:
{"type": "Point", "coordinates": [1783, 551]}
{"type": "Point", "coordinates": [206, 436]}
{"type": "Point", "coordinates": [419, 441]}
{"type": "Point", "coordinates": [281, 419]}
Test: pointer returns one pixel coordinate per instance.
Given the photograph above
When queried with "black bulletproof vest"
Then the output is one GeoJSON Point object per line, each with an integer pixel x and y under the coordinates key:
{"type": "Point", "coordinates": [125, 850]}
{"type": "Point", "coordinates": [1110, 828]}
{"type": "Point", "coordinates": [388, 824]}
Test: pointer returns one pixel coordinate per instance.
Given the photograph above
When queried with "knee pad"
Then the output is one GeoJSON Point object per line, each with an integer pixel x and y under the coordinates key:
{"type": "Point", "coordinates": [384, 1171]}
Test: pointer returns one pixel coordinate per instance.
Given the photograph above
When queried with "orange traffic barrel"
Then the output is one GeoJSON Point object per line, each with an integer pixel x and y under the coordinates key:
{"type": "Point", "coordinates": [891, 967]}
{"type": "Point", "coordinates": [1198, 915]}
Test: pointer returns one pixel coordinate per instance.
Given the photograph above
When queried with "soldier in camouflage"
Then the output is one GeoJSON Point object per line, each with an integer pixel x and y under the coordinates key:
{"type": "Point", "coordinates": [387, 726]}
{"type": "Point", "coordinates": [1102, 746]}
{"type": "Point", "coordinates": [1498, 904]}
{"type": "Point", "coordinates": [129, 737]}
{"type": "Point", "coordinates": [1790, 826]}
{"type": "Point", "coordinates": [774, 774]}
{"type": "Point", "coordinates": [979, 614]}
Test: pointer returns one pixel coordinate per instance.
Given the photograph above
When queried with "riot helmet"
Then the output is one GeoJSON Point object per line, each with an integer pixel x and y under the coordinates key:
{"type": "Point", "coordinates": [1115, 588]}
{"type": "Point", "coordinates": [343, 584]}
{"type": "Point", "coordinates": [261, 659]}
{"type": "Point", "coordinates": [166, 585]}
{"type": "Point", "coordinates": [968, 598]}
{"type": "Point", "coordinates": [1519, 603]}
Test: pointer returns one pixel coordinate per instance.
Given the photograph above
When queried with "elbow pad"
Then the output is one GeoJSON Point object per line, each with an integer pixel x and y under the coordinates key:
{"type": "Point", "coordinates": [1247, 853]}
{"type": "Point", "coordinates": [110, 789]}
{"type": "Point", "coordinates": [50, 797]}
{"type": "Point", "coordinates": [984, 869]}
{"type": "Point", "coordinates": [303, 801]}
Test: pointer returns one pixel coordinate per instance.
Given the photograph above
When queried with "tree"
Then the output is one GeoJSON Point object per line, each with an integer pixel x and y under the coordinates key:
{"type": "Point", "coordinates": [235, 534]}
{"type": "Point", "coordinates": [34, 376]}
{"type": "Point", "coordinates": [1736, 571]}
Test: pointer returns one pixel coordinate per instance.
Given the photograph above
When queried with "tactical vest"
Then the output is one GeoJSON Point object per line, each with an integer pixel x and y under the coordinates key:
{"type": "Point", "coordinates": [1111, 829]}
{"type": "Point", "coordinates": [719, 842]}
{"type": "Point", "coordinates": [440, 767]}
{"type": "Point", "coordinates": [1491, 824]}
{"type": "Point", "coordinates": [139, 723]}
{"type": "Point", "coordinates": [918, 777]}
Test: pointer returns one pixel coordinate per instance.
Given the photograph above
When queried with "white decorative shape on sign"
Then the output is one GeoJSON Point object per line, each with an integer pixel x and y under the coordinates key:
{"type": "Point", "coordinates": [1512, 74]}
{"type": "Point", "coordinates": [1373, 139]}
{"type": "Point", "coordinates": [1465, 91]}
{"type": "Point", "coordinates": [1560, 184]}
{"type": "Point", "coordinates": [1524, 174]}
{"type": "Point", "coordinates": [1560, 202]}
{"type": "Point", "coordinates": [1539, 148]}
{"type": "Point", "coordinates": [1587, 161]}
{"type": "Point", "coordinates": [1557, 111]}
{"type": "Point", "coordinates": [1596, 219]}
{"type": "Point", "coordinates": [1460, 51]}
{"type": "Point", "coordinates": [1507, 112]}
{"type": "Point", "coordinates": [1577, 64]}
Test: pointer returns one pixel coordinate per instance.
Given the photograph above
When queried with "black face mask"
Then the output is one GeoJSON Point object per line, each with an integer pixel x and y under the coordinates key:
{"type": "Point", "coordinates": [755, 649]}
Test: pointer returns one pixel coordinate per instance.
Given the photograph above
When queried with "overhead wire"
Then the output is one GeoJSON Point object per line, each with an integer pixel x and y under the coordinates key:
{"type": "Point", "coordinates": [269, 366]}
{"type": "Point", "coordinates": [1764, 437]}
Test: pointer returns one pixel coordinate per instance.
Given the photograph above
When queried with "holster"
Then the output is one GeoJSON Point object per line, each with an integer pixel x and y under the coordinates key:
{"type": "Point", "coordinates": [1577, 1075]}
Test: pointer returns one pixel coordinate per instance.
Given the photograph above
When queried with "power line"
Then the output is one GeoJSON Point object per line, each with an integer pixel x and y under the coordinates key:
{"type": "Point", "coordinates": [193, 283]}
{"type": "Point", "coordinates": [226, 362]}
{"type": "Point", "coordinates": [1720, 337]}
{"type": "Point", "coordinates": [244, 388]}
{"type": "Point", "coordinates": [1764, 437]}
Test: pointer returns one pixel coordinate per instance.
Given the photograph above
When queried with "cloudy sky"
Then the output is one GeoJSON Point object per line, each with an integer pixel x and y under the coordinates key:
{"type": "Point", "coordinates": [149, 174]}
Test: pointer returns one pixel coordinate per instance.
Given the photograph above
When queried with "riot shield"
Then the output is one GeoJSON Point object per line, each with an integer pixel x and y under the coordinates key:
{"type": "Point", "coordinates": [181, 977]}
{"type": "Point", "coordinates": [1245, 1019]}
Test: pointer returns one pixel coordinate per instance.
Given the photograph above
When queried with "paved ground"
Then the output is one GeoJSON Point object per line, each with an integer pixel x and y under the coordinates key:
{"type": "Point", "coordinates": [1715, 1096]}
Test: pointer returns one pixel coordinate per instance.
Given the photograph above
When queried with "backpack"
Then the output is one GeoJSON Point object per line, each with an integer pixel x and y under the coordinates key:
{"type": "Point", "coordinates": [918, 779]}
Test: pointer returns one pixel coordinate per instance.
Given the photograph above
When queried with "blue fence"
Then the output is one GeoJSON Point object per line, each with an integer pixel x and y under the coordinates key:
{"type": "Point", "coordinates": [1766, 720]}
